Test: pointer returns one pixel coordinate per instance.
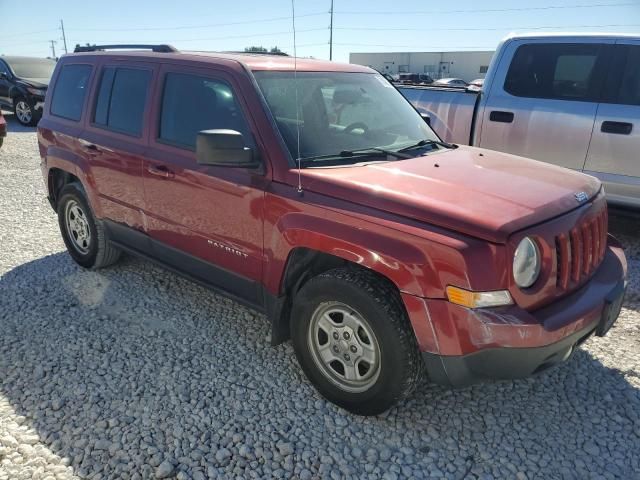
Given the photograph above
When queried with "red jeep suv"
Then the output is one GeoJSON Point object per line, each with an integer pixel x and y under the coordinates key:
{"type": "Point", "coordinates": [315, 193]}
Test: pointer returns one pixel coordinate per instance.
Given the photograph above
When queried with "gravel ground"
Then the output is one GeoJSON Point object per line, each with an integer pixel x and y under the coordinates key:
{"type": "Point", "coordinates": [133, 372]}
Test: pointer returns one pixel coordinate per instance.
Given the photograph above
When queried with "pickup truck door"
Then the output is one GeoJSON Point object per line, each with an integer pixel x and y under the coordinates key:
{"type": "Point", "coordinates": [542, 103]}
{"type": "Point", "coordinates": [613, 153]}
{"type": "Point", "coordinates": [203, 220]}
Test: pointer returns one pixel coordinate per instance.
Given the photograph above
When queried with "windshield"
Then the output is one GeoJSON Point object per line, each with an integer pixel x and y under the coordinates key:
{"type": "Point", "coordinates": [33, 68]}
{"type": "Point", "coordinates": [341, 111]}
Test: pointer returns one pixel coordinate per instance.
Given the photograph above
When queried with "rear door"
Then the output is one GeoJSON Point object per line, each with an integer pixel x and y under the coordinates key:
{"type": "Point", "coordinates": [116, 137]}
{"type": "Point", "coordinates": [543, 104]}
{"type": "Point", "coordinates": [614, 151]}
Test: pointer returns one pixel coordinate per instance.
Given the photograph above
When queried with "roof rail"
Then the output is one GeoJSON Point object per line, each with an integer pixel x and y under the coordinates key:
{"type": "Point", "coordinates": [154, 48]}
{"type": "Point", "coordinates": [244, 52]}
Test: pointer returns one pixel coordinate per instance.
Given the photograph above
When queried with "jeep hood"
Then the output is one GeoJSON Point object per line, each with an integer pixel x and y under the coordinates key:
{"type": "Point", "coordinates": [477, 192]}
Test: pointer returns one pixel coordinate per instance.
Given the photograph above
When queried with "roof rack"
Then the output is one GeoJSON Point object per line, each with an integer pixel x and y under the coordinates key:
{"type": "Point", "coordinates": [153, 48]}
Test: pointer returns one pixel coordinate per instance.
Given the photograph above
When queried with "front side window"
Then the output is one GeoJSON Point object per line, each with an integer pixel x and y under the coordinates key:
{"type": "Point", "coordinates": [555, 71]}
{"type": "Point", "coordinates": [191, 103]}
{"type": "Point", "coordinates": [69, 91]}
{"type": "Point", "coordinates": [340, 111]}
{"type": "Point", "coordinates": [121, 99]}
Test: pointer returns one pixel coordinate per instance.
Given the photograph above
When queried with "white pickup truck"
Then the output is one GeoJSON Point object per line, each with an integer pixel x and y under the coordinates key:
{"type": "Point", "coordinates": [570, 100]}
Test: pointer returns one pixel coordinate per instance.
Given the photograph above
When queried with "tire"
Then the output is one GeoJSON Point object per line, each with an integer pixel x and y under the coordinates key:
{"type": "Point", "coordinates": [367, 308]}
{"type": "Point", "coordinates": [25, 112]}
{"type": "Point", "coordinates": [86, 239]}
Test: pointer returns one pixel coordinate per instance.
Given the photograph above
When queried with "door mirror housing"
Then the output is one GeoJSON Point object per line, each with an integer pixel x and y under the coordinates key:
{"type": "Point", "coordinates": [426, 118]}
{"type": "Point", "coordinates": [4, 76]}
{"type": "Point", "coordinates": [224, 148]}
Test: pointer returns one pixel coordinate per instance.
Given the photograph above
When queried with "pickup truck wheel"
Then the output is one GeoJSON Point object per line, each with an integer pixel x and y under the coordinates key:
{"type": "Point", "coordinates": [24, 112]}
{"type": "Point", "coordinates": [353, 340]}
{"type": "Point", "coordinates": [86, 239]}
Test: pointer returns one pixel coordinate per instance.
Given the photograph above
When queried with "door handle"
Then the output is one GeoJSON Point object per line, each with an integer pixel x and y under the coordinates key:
{"type": "Point", "coordinates": [620, 128]}
{"type": "Point", "coordinates": [160, 171]}
{"type": "Point", "coordinates": [88, 145]}
{"type": "Point", "coordinates": [502, 117]}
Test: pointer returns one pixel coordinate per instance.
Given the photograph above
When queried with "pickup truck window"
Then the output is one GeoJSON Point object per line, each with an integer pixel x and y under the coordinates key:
{"type": "Point", "coordinates": [555, 71]}
{"type": "Point", "coordinates": [623, 86]}
{"type": "Point", "coordinates": [192, 103]}
{"type": "Point", "coordinates": [340, 111]}
{"type": "Point", "coordinates": [69, 91]}
{"type": "Point", "coordinates": [121, 99]}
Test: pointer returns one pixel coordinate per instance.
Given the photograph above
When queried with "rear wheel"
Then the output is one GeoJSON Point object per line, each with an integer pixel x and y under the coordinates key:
{"type": "Point", "coordinates": [86, 239]}
{"type": "Point", "coordinates": [353, 340]}
{"type": "Point", "coordinates": [24, 112]}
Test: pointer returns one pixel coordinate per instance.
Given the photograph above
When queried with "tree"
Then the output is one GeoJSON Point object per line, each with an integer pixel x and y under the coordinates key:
{"type": "Point", "coordinates": [275, 50]}
{"type": "Point", "coordinates": [255, 49]}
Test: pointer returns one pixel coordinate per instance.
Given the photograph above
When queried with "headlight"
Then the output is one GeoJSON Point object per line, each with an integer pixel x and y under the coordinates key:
{"type": "Point", "coordinates": [526, 263]}
{"type": "Point", "coordinates": [37, 92]}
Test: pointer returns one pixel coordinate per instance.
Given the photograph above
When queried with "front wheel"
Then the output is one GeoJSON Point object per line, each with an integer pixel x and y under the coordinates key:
{"type": "Point", "coordinates": [353, 340]}
{"type": "Point", "coordinates": [24, 112]}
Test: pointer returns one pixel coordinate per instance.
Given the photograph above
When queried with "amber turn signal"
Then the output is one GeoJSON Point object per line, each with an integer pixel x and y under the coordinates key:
{"type": "Point", "coordinates": [470, 299]}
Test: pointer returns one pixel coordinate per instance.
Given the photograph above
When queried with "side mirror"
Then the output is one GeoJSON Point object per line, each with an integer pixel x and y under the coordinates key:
{"type": "Point", "coordinates": [3, 75]}
{"type": "Point", "coordinates": [426, 118]}
{"type": "Point", "coordinates": [223, 148]}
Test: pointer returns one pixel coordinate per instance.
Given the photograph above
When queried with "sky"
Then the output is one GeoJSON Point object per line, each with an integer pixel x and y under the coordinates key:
{"type": "Point", "coordinates": [359, 25]}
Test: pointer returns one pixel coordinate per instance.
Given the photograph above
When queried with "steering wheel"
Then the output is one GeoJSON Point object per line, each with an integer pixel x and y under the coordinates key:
{"type": "Point", "coordinates": [352, 126]}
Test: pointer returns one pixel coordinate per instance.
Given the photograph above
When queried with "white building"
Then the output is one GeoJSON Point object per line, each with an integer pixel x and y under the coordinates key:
{"type": "Point", "coordinates": [465, 65]}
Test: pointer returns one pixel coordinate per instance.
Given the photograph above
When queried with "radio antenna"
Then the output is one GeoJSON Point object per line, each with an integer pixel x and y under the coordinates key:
{"type": "Point", "coordinates": [295, 84]}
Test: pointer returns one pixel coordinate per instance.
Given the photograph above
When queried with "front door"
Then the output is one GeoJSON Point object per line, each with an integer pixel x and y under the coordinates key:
{"type": "Point", "coordinates": [5, 84]}
{"type": "Point", "coordinates": [544, 105]}
{"type": "Point", "coordinates": [613, 152]}
{"type": "Point", "coordinates": [204, 220]}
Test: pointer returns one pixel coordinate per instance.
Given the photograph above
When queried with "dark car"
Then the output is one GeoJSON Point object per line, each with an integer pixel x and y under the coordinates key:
{"type": "Point", "coordinates": [3, 128]}
{"type": "Point", "coordinates": [23, 86]}
{"type": "Point", "coordinates": [415, 78]}
{"type": "Point", "coordinates": [377, 248]}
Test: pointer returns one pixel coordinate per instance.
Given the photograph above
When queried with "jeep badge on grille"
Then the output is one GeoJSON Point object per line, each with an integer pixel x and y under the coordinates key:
{"type": "Point", "coordinates": [581, 197]}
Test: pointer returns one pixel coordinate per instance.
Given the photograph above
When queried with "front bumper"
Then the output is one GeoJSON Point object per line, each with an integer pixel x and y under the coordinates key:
{"type": "Point", "coordinates": [509, 342]}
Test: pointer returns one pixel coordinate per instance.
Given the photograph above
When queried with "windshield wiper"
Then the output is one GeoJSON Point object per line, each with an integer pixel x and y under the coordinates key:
{"type": "Point", "coordinates": [347, 155]}
{"type": "Point", "coordinates": [423, 143]}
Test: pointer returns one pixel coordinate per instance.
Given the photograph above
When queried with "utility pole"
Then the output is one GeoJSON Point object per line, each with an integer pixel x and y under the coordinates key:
{"type": "Point", "coordinates": [331, 34]}
{"type": "Point", "coordinates": [53, 48]}
{"type": "Point", "coordinates": [64, 37]}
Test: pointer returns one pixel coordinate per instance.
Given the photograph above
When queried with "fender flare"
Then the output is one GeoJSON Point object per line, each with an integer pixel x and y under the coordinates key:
{"type": "Point", "coordinates": [67, 161]}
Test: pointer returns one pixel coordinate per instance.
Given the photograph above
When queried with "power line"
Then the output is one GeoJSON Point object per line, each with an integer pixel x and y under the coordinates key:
{"type": "Point", "coordinates": [486, 10]}
{"type": "Point", "coordinates": [448, 47]}
{"type": "Point", "coordinates": [30, 33]}
{"type": "Point", "coordinates": [485, 29]}
{"type": "Point", "coordinates": [184, 27]}
{"type": "Point", "coordinates": [224, 37]}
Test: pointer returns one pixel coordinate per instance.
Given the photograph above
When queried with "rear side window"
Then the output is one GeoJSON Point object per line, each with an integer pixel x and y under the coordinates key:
{"type": "Point", "coordinates": [192, 103]}
{"type": "Point", "coordinates": [70, 90]}
{"type": "Point", "coordinates": [555, 71]}
{"type": "Point", "coordinates": [121, 99]}
{"type": "Point", "coordinates": [624, 82]}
